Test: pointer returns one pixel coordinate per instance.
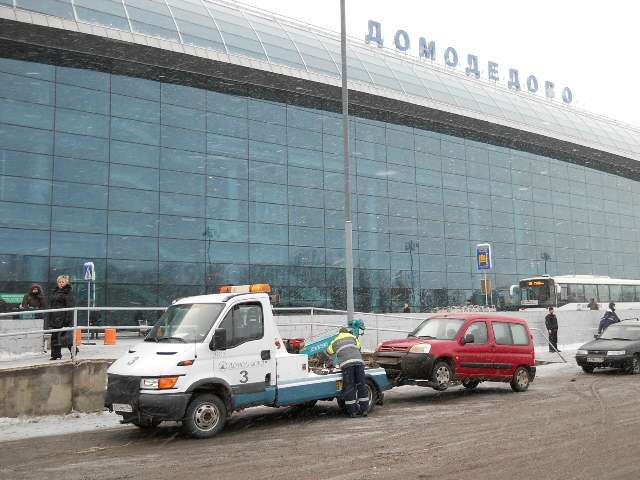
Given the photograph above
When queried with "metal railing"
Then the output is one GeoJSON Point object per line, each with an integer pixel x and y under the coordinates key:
{"type": "Point", "coordinates": [312, 312]}
{"type": "Point", "coordinates": [75, 327]}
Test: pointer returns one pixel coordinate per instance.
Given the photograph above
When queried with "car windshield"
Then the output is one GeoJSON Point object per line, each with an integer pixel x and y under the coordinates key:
{"type": "Point", "coordinates": [438, 328]}
{"type": "Point", "coordinates": [188, 323]}
{"type": "Point", "coordinates": [621, 332]}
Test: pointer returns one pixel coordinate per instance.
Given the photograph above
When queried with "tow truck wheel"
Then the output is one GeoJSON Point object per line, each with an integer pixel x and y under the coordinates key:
{"type": "Point", "coordinates": [205, 416]}
{"type": "Point", "coordinates": [442, 375]}
{"type": "Point", "coordinates": [521, 379]}
{"type": "Point", "coordinates": [372, 393]}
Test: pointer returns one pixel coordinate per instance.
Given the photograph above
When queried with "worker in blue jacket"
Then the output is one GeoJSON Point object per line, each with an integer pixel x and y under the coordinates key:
{"type": "Point", "coordinates": [610, 317]}
{"type": "Point", "coordinates": [346, 348]}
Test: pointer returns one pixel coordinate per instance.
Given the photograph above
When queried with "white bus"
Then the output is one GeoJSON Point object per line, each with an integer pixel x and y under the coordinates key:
{"type": "Point", "coordinates": [574, 292]}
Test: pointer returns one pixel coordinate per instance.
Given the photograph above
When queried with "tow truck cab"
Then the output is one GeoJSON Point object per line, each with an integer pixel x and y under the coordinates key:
{"type": "Point", "coordinates": [210, 355]}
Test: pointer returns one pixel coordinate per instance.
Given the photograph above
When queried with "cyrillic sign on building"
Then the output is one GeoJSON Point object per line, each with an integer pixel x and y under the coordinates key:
{"type": "Point", "coordinates": [427, 51]}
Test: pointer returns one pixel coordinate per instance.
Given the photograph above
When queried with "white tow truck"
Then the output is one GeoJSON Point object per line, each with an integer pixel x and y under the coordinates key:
{"type": "Point", "coordinates": [211, 355]}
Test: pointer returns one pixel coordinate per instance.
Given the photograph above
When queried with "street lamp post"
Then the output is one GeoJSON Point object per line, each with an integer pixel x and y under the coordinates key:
{"type": "Point", "coordinates": [347, 167]}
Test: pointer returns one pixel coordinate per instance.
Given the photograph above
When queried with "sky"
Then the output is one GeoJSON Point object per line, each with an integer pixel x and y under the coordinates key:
{"type": "Point", "coordinates": [588, 46]}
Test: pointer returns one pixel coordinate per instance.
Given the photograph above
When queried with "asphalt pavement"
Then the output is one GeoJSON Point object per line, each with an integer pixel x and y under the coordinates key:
{"type": "Point", "coordinates": [568, 425]}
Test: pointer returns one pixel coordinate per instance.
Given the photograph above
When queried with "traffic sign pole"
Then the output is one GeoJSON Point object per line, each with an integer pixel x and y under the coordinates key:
{"type": "Point", "coordinates": [484, 261]}
{"type": "Point", "coordinates": [90, 276]}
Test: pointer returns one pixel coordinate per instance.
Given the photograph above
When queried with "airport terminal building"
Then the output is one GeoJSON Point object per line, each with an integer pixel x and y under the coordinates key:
{"type": "Point", "coordinates": [181, 145]}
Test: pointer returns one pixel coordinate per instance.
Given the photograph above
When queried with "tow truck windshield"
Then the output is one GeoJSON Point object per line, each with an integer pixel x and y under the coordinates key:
{"type": "Point", "coordinates": [438, 328]}
{"type": "Point", "coordinates": [188, 323]}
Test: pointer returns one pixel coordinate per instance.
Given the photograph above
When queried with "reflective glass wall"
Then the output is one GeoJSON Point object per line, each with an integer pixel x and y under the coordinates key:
{"type": "Point", "coordinates": [173, 190]}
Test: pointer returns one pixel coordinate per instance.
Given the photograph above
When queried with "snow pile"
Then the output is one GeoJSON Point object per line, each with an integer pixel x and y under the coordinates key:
{"type": "Point", "coordinates": [30, 427]}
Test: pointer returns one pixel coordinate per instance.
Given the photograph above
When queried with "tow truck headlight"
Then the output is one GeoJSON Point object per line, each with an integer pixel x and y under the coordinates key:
{"type": "Point", "coordinates": [160, 383]}
{"type": "Point", "coordinates": [582, 352]}
{"type": "Point", "coordinates": [149, 383]}
{"type": "Point", "coordinates": [616, 352]}
{"type": "Point", "coordinates": [421, 348]}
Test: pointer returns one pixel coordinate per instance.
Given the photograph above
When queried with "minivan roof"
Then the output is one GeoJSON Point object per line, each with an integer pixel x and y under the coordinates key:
{"type": "Point", "coordinates": [478, 316]}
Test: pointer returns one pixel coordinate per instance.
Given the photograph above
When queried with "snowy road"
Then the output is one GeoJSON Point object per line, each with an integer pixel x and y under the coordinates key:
{"type": "Point", "coordinates": [568, 425]}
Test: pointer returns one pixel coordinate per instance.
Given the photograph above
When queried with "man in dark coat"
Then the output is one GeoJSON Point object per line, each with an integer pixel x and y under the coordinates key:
{"type": "Point", "coordinates": [61, 297]}
{"type": "Point", "coordinates": [610, 317]}
{"type": "Point", "coordinates": [551, 322]}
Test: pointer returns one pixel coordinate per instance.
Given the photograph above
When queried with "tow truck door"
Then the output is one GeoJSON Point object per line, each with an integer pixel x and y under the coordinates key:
{"type": "Point", "coordinates": [247, 362]}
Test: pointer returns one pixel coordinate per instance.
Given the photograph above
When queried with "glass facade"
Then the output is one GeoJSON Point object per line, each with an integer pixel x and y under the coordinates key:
{"type": "Point", "coordinates": [240, 30]}
{"type": "Point", "coordinates": [173, 190]}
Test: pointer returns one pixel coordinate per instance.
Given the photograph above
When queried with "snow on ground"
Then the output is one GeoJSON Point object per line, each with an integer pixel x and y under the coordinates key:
{"type": "Point", "coordinates": [11, 357]}
{"type": "Point", "coordinates": [31, 427]}
{"type": "Point", "coordinates": [87, 351]}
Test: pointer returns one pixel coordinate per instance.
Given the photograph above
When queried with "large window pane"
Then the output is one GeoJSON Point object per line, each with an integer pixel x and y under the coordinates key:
{"type": "Point", "coordinates": [57, 8]}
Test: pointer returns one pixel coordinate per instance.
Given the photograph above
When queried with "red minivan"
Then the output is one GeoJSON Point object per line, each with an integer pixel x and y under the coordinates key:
{"type": "Point", "coordinates": [466, 348]}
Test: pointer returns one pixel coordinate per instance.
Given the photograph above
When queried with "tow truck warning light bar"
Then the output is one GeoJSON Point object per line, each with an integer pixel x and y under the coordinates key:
{"type": "Point", "coordinates": [255, 288]}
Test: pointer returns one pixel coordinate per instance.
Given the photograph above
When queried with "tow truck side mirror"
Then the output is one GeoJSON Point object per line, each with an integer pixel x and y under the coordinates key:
{"type": "Point", "coordinates": [468, 338]}
{"type": "Point", "coordinates": [219, 340]}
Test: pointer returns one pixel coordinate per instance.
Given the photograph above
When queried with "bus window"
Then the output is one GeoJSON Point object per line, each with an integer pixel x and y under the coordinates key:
{"type": "Point", "coordinates": [575, 293]}
{"type": "Point", "coordinates": [537, 292]}
{"type": "Point", "coordinates": [628, 293]}
{"type": "Point", "coordinates": [590, 291]}
{"type": "Point", "coordinates": [603, 293]}
{"type": "Point", "coordinates": [637, 293]}
{"type": "Point", "coordinates": [615, 293]}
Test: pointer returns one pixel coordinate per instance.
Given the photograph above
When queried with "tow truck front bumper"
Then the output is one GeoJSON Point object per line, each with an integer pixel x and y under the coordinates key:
{"type": "Point", "coordinates": [124, 397]}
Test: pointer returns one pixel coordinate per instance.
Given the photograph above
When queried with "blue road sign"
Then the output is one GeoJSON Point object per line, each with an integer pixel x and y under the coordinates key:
{"type": "Point", "coordinates": [89, 270]}
{"type": "Point", "coordinates": [483, 256]}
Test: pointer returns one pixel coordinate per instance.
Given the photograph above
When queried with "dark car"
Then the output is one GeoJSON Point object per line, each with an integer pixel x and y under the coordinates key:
{"type": "Point", "coordinates": [617, 347]}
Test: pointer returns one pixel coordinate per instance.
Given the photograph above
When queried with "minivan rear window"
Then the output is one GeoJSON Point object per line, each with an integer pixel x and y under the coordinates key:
{"type": "Point", "coordinates": [510, 333]}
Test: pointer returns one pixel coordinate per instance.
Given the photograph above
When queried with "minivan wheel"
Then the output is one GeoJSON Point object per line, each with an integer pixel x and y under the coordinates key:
{"type": "Point", "coordinates": [470, 384]}
{"type": "Point", "coordinates": [442, 375]}
{"type": "Point", "coordinates": [521, 379]}
{"type": "Point", "coordinates": [205, 416]}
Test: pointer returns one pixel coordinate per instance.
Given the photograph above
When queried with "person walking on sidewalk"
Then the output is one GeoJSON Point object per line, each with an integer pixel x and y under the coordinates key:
{"type": "Point", "coordinates": [61, 297]}
{"type": "Point", "coordinates": [346, 348]}
{"type": "Point", "coordinates": [551, 322]}
{"type": "Point", "coordinates": [34, 299]}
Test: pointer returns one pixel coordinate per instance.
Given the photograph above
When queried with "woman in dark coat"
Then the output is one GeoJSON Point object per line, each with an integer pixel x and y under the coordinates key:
{"type": "Point", "coordinates": [61, 297]}
{"type": "Point", "coordinates": [34, 299]}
